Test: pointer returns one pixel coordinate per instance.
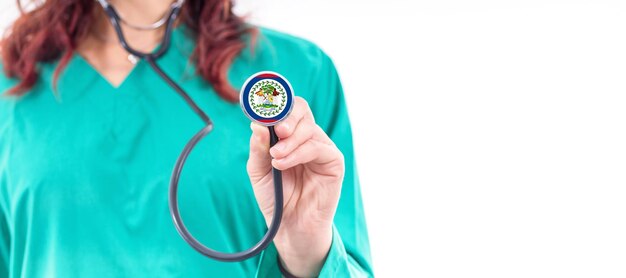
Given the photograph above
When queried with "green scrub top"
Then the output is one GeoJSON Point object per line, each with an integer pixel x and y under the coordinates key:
{"type": "Point", "coordinates": [84, 172]}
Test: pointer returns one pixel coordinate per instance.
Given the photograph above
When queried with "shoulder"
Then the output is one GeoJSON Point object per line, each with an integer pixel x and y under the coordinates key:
{"type": "Point", "coordinates": [5, 82]}
{"type": "Point", "coordinates": [309, 69]}
{"type": "Point", "coordinates": [289, 45]}
{"type": "Point", "coordinates": [285, 53]}
{"type": "Point", "coordinates": [301, 61]}
{"type": "Point", "coordinates": [6, 102]}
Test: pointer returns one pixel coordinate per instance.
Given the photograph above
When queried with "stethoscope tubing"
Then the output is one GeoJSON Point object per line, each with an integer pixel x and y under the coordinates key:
{"type": "Point", "coordinates": [180, 162]}
{"type": "Point", "coordinates": [115, 20]}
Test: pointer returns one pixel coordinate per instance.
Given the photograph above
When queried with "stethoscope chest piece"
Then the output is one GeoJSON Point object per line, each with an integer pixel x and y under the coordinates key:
{"type": "Point", "coordinates": [266, 98]}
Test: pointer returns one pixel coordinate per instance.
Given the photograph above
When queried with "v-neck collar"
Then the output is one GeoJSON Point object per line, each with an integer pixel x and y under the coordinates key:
{"type": "Point", "coordinates": [80, 77]}
{"type": "Point", "coordinates": [89, 67]}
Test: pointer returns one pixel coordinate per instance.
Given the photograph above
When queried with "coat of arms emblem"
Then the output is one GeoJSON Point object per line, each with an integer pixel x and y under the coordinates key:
{"type": "Point", "coordinates": [266, 98]}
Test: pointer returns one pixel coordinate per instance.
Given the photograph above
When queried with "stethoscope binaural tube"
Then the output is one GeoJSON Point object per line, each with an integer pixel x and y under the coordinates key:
{"type": "Point", "coordinates": [151, 58]}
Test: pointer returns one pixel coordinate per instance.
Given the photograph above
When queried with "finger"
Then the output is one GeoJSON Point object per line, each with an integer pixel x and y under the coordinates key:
{"type": "Point", "coordinates": [303, 132]}
{"type": "Point", "coordinates": [259, 160]}
{"type": "Point", "coordinates": [300, 111]}
{"type": "Point", "coordinates": [311, 151]}
{"type": "Point", "coordinates": [259, 140]}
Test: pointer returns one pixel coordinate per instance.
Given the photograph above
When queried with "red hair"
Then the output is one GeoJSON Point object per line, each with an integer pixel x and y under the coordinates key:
{"type": "Point", "coordinates": [52, 30]}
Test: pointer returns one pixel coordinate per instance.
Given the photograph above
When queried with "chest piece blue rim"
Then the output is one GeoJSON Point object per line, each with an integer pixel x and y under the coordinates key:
{"type": "Point", "coordinates": [266, 98]}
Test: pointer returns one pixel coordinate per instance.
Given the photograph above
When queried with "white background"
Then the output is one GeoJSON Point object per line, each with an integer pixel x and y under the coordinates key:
{"type": "Point", "coordinates": [490, 135]}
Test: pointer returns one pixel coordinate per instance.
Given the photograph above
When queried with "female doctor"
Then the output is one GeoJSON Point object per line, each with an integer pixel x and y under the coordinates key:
{"type": "Point", "coordinates": [89, 135]}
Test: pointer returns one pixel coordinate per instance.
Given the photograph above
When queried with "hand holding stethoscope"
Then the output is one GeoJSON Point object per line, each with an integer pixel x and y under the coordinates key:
{"type": "Point", "coordinates": [313, 169]}
{"type": "Point", "coordinates": [312, 165]}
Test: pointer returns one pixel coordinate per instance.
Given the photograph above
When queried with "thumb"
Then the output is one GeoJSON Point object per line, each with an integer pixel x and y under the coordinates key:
{"type": "Point", "coordinates": [259, 162]}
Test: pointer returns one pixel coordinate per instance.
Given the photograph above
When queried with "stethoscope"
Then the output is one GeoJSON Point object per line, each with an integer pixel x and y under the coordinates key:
{"type": "Point", "coordinates": [258, 112]}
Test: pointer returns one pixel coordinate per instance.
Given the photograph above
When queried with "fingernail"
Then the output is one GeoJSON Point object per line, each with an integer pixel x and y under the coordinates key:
{"type": "Point", "coordinates": [279, 146]}
{"type": "Point", "coordinates": [285, 126]}
{"type": "Point", "coordinates": [276, 148]}
{"type": "Point", "coordinates": [276, 163]}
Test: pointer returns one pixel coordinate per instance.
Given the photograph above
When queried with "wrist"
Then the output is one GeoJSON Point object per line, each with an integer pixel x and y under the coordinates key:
{"type": "Point", "coordinates": [303, 254]}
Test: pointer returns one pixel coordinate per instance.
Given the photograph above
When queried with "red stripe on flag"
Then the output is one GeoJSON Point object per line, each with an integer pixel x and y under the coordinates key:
{"type": "Point", "coordinates": [267, 75]}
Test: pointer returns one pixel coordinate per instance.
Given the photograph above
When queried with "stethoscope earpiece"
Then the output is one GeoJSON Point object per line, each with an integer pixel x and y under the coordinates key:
{"type": "Point", "coordinates": [266, 98]}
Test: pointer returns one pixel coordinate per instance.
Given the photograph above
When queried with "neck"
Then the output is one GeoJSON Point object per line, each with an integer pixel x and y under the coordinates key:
{"type": "Point", "coordinates": [136, 13]}
{"type": "Point", "coordinates": [142, 12]}
{"type": "Point", "coordinates": [101, 47]}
